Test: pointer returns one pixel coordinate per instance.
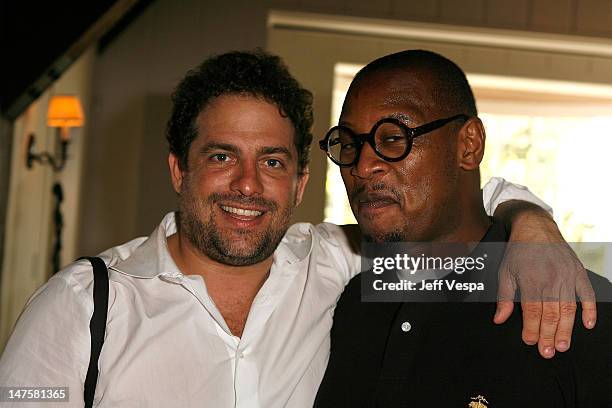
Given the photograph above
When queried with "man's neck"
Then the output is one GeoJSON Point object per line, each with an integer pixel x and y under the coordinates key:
{"type": "Point", "coordinates": [471, 219]}
{"type": "Point", "coordinates": [232, 288]}
{"type": "Point", "coordinates": [471, 228]}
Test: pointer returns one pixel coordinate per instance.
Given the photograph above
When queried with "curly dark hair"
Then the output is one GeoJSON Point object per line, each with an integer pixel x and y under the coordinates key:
{"type": "Point", "coordinates": [254, 72]}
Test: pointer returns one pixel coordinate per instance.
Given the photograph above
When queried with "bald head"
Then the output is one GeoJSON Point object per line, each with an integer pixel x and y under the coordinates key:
{"type": "Point", "coordinates": [448, 90]}
{"type": "Point", "coordinates": [432, 193]}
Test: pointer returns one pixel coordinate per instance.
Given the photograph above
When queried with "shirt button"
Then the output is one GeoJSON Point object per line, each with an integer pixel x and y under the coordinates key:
{"type": "Point", "coordinates": [241, 355]}
{"type": "Point", "coordinates": [406, 326]}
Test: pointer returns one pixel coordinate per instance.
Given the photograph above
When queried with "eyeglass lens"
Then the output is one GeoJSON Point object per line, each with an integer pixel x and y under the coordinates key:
{"type": "Point", "coordinates": [390, 140]}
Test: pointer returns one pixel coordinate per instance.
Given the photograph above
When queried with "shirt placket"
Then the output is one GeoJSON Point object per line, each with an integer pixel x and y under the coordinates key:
{"type": "Point", "coordinates": [231, 342]}
{"type": "Point", "coordinates": [245, 373]}
{"type": "Point", "coordinates": [247, 369]}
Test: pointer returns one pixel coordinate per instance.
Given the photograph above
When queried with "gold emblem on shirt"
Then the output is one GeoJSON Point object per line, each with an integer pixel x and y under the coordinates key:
{"type": "Point", "coordinates": [478, 402]}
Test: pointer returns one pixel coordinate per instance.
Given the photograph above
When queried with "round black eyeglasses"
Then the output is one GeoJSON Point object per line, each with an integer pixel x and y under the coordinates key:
{"type": "Point", "coordinates": [390, 139]}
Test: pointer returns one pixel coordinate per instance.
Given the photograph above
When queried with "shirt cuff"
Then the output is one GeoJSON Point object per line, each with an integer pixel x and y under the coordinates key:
{"type": "Point", "coordinates": [497, 190]}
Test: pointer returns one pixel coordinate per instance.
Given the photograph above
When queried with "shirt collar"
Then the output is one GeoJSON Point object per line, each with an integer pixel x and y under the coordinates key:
{"type": "Point", "coordinates": [152, 258]}
{"type": "Point", "coordinates": [496, 233]}
{"type": "Point", "coordinates": [296, 246]}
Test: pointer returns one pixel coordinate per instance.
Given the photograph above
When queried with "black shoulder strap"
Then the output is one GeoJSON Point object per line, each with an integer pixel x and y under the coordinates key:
{"type": "Point", "coordinates": [97, 326]}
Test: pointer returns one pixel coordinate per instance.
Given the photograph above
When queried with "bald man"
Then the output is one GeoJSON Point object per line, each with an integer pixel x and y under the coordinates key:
{"type": "Point", "coordinates": [409, 144]}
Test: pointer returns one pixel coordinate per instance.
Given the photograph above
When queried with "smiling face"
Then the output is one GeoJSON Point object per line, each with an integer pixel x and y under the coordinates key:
{"type": "Point", "coordinates": [413, 199]}
{"type": "Point", "coordinates": [241, 185]}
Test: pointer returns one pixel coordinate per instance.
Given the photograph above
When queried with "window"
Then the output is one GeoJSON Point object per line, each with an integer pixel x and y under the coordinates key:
{"type": "Point", "coordinates": [554, 137]}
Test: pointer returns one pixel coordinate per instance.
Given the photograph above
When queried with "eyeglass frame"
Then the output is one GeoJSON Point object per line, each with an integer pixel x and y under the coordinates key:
{"type": "Point", "coordinates": [369, 137]}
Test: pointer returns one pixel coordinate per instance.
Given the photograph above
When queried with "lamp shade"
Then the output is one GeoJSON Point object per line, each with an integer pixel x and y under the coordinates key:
{"type": "Point", "coordinates": [65, 111]}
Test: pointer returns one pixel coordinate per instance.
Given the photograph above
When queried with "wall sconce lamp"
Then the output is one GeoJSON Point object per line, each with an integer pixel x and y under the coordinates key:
{"type": "Point", "coordinates": [65, 111]}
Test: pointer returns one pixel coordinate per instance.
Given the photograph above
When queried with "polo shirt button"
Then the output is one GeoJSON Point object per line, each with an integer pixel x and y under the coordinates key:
{"type": "Point", "coordinates": [406, 326]}
{"type": "Point", "coordinates": [241, 355]}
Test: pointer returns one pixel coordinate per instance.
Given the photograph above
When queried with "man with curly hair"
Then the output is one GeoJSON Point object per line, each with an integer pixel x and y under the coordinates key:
{"type": "Point", "coordinates": [225, 304]}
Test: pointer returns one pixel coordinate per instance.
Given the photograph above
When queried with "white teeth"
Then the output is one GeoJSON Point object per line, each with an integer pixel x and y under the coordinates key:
{"type": "Point", "coordinates": [240, 211]}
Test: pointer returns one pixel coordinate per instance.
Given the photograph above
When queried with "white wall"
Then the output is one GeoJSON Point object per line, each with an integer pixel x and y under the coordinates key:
{"type": "Point", "coordinates": [27, 250]}
{"type": "Point", "coordinates": [128, 188]}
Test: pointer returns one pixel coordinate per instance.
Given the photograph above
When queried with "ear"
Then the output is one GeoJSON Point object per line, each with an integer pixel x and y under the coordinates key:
{"type": "Point", "coordinates": [301, 185]}
{"type": "Point", "coordinates": [471, 144]}
{"type": "Point", "coordinates": [176, 174]}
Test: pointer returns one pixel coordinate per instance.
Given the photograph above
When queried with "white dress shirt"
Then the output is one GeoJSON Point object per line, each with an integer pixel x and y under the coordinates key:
{"type": "Point", "coordinates": [167, 344]}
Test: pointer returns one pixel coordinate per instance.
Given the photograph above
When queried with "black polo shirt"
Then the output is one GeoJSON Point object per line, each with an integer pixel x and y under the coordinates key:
{"type": "Point", "coordinates": [451, 354]}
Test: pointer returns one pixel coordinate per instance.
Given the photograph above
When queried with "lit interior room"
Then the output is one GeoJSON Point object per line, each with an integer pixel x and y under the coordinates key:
{"type": "Point", "coordinates": [86, 97]}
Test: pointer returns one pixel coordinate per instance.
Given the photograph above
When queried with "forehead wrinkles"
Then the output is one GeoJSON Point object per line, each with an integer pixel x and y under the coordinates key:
{"type": "Point", "coordinates": [406, 99]}
{"type": "Point", "coordinates": [396, 91]}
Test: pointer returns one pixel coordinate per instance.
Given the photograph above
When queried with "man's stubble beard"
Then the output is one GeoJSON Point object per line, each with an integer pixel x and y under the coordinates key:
{"type": "Point", "coordinates": [443, 219]}
{"type": "Point", "coordinates": [405, 232]}
{"type": "Point", "coordinates": [396, 234]}
{"type": "Point", "coordinates": [387, 236]}
{"type": "Point", "coordinates": [207, 238]}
